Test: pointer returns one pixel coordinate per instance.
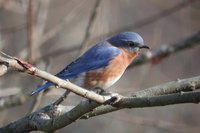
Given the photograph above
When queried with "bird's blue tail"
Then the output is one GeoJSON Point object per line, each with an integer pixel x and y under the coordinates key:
{"type": "Point", "coordinates": [42, 87]}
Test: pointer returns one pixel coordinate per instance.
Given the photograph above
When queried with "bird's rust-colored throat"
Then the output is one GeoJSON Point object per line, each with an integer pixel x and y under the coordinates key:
{"type": "Point", "coordinates": [128, 56]}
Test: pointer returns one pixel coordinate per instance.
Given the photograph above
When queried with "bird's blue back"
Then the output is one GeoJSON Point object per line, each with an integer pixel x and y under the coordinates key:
{"type": "Point", "coordinates": [96, 57]}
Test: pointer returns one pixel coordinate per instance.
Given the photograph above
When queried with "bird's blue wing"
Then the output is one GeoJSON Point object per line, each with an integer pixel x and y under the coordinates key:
{"type": "Point", "coordinates": [96, 57]}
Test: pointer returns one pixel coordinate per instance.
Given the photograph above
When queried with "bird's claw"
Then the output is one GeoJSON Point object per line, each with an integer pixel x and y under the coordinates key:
{"type": "Point", "coordinates": [112, 99]}
{"type": "Point", "coordinates": [98, 90]}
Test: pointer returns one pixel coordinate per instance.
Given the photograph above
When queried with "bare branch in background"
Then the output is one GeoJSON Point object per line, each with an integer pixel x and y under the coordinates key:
{"type": "Point", "coordinates": [13, 6]}
{"type": "Point", "coordinates": [136, 25]}
{"type": "Point", "coordinates": [92, 19]}
{"type": "Point", "coordinates": [167, 50]}
{"type": "Point", "coordinates": [30, 31]}
{"type": "Point", "coordinates": [152, 19]}
{"type": "Point", "coordinates": [40, 24]}
{"type": "Point", "coordinates": [51, 118]}
{"type": "Point", "coordinates": [58, 27]}
{"type": "Point", "coordinates": [12, 100]}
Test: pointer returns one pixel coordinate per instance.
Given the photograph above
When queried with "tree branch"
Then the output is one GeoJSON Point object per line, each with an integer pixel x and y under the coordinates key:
{"type": "Point", "coordinates": [141, 102]}
{"type": "Point", "coordinates": [28, 68]}
{"type": "Point", "coordinates": [51, 118]}
{"type": "Point", "coordinates": [177, 87]}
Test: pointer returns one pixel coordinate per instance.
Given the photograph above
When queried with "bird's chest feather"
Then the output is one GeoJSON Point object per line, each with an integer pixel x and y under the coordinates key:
{"type": "Point", "coordinates": [105, 77]}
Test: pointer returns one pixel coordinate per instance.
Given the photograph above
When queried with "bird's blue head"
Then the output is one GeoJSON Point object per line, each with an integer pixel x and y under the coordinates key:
{"type": "Point", "coordinates": [129, 40]}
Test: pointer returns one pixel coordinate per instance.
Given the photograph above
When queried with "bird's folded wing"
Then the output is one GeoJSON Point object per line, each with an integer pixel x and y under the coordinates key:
{"type": "Point", "coordinates": [96, 57]}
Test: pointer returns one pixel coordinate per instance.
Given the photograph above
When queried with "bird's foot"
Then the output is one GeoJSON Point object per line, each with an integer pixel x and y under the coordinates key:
{"type": "Point", "coordinates": [62, 98]}
{"type": "Point", "coordinates": [112, 98]}
{"type": "Point", "coordinates": [98, 90]}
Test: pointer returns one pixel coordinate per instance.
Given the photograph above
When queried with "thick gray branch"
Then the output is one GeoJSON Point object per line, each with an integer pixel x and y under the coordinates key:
{"type": "Point", "coordinates": [179, 86]}
{"type": "Point", "coordinates": [51, 117]}
{"type": "Point", "coordinates": [141, 102]}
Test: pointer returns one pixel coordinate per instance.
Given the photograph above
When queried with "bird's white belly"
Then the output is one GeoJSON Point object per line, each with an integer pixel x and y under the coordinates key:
{"type": "Point", "coordinates": [104, 84]}
{"type": "Point", "coordinates": [108, 83]}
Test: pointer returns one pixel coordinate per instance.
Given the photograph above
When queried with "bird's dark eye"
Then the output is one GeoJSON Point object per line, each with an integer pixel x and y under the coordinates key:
{"type": "Point", "coordinates": [130, 43]}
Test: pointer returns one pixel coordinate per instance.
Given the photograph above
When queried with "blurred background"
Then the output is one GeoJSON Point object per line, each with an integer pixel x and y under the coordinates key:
{"type": "Point", "coordinates": [52, 33]}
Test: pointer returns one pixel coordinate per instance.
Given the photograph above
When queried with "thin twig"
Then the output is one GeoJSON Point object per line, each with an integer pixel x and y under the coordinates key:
{"type": "Point", "coordinates": [62, 98]}
{"type": "Point", "coordinates": [92, 19]}
{"type": "Point", "coordinates": [30, 31]}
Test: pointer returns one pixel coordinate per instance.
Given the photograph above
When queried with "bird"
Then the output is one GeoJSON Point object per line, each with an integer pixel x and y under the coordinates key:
{"type": "Point", "coordinates": [103, 64]}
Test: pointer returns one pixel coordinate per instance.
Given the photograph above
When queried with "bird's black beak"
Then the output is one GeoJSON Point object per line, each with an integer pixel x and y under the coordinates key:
{"type": "Point", "coordinates": [144, 46]}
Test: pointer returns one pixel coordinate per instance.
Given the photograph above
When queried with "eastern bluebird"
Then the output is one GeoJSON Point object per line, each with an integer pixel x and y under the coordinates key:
{"type": "Point", "coordinates": [103, 64]}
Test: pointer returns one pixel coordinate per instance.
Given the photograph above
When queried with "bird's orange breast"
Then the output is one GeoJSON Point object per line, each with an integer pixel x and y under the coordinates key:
{"type": "Point", "coordinates": [105, 77]}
